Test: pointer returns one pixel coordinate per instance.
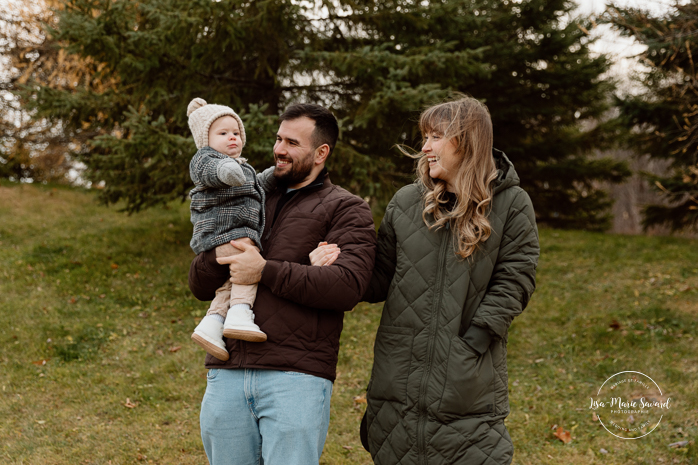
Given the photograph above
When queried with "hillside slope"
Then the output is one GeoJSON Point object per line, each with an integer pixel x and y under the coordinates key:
{"type": "Point", "coordinates": [96, 364]}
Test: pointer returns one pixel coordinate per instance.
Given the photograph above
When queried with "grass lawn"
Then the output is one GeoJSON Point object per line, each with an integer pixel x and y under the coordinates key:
{"type": "Point", "coordinates": [96, 364]}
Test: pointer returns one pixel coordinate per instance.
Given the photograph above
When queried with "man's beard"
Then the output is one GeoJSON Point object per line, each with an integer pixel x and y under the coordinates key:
{"type": "Point", "coordinates": [300, 170]}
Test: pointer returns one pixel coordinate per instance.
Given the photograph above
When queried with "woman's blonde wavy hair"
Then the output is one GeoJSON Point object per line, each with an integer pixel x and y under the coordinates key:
{"type": "Point", "coordinates": [467, 123]}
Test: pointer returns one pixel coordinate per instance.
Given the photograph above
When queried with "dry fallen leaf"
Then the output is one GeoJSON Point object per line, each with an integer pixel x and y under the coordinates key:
{"type": "Point", "coordinates": [175, 348]}
{"type": "Point", "coordinates": [358, 400]}
{"type": "Point", "coordinates": [130, 404]}
{"type": "Point", "coordinates": [114, 266]}
{"type": "Point", "coordinates": [563, 435]}
{"type": "Point", "coordinates": [41, 362]}
{"type": "Point", "coordinates": [615, 325]}
{"type": "Point", "coordinates": [347, 447]}
{"type": "Point", "coordinates": [594, 417]}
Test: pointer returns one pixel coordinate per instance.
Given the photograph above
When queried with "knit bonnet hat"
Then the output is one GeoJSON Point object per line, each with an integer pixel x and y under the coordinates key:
{"type": "Point", "coordinates": [202, 115]}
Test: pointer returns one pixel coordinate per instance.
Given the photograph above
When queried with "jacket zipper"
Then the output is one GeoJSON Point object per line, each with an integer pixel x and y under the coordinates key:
{"type": "Point", "coordinates": [243, 358]}
{"type": "Point", "coordinates": [433, 325]}
{"type": "Point", "coordinates": [243, 355]}
{"type": "Point", "coordinates": [243, 344]}
{"type": "Point", "coordinates": [284, 209]}
{"type": "Point", "coordinates": [271, 226]}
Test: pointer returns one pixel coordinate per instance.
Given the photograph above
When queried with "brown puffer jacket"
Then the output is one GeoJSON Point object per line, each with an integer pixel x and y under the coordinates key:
{"type": "Point", "coordinates": [300, 307]}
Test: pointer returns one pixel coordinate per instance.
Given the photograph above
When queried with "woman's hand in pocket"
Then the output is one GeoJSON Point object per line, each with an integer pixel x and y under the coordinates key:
{"type": "Point", "coordinates": [324, 255]}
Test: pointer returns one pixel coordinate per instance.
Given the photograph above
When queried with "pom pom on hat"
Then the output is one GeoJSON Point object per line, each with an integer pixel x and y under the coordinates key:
{"type": "Point", "coordinates": [202, 115]}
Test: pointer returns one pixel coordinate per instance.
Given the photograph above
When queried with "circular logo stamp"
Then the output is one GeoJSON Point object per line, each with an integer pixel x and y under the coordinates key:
{"type": "Point", "coordinates": [630, 405]}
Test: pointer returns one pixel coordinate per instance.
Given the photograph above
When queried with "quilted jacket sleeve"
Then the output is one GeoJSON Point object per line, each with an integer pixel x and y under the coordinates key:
{"type": "Point", "coordinates": [209, 171]}
{"type": "Point", "coordinates": [206, 275]}
{"type": "Point", "coordinates": [267, 179]}
{"type": "Point", "coordinates": [514, 276]}
{"type": "Point", "coordinates": [340, 286]}
{"type": "Point", "coordinates": [386, 259]}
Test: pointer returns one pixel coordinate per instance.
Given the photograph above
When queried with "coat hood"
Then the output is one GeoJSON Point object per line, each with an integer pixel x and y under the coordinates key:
{"type": "Point", "coordinates": [506, 174]}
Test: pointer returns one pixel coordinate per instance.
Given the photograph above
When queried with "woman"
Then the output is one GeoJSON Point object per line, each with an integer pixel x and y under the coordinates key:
{"type": "Point", "coordinates": [456, 262]}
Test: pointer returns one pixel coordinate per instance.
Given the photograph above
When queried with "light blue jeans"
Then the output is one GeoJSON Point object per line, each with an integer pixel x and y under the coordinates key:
{"type": "Point", "coordinates": [253, 417]}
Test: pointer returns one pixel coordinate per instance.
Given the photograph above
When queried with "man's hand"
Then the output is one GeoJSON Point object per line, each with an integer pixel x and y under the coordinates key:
{"type": "Point", "coordinates": [246, 267]}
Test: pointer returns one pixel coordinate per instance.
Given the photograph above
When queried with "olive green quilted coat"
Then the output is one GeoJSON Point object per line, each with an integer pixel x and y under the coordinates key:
{"type": "Point", "coordinates": [438, 389]}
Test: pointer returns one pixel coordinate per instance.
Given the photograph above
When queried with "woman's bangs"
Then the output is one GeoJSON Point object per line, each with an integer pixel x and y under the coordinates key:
{"type": "Point", "coordinates": [436, 120]}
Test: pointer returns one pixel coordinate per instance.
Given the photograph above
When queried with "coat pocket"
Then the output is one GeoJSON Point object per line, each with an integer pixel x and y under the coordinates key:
{"type": "Point", "coordinates": [468, 389]}
{"type": "Point", "coordinates": [392, 356]}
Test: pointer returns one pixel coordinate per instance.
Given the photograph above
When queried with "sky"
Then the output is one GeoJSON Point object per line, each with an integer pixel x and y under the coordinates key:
{"type": "Point", "coordinates": [596, 6]}
{"type": "Point", "coordinates": [621, 49]}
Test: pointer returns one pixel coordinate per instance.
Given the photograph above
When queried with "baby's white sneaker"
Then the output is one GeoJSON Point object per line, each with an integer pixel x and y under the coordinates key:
{"type": "Point", "coordinates": [239, 324]}
{"type": "Point", "coordinates": [209, 335]}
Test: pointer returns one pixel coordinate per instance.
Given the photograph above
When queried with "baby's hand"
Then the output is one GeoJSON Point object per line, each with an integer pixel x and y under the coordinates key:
{"type": "Point", "coordinates": [324, 255]}
{"type": "Point", "coordinates": [229, 172]}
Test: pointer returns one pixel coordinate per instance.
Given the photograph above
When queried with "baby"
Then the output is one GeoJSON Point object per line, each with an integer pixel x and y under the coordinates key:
{"type": "Point", "coordinates": [226, 204]}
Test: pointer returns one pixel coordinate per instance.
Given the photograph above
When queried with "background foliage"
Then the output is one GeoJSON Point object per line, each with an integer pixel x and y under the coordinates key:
{"type": "Point", "coordinates": [376, 64]}
{"type": "Point", "coordinates": [33, 147]}
{"type": "Point", "coordinates": [663, 117]}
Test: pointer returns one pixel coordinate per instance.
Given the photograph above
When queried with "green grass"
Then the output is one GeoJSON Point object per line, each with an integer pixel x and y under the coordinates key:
{"type": "Point", "coordinates": [103, 298]}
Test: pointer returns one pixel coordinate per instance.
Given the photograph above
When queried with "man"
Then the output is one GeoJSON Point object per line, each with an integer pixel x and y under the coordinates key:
{"type": "Point", "coordinates": [270, 401]}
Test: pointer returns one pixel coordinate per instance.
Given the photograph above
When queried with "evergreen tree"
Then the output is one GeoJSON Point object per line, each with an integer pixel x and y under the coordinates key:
{"type": "Point", "coordinates": [663, 119]}
{"type": "Point", "coordinates": [376, 64]}
{"type": "Point", "coordinates": [529, 61]}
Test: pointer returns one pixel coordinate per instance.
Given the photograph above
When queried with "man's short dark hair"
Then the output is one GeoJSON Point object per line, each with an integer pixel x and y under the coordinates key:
{"type": "Point", "coordinates": [326, 128]}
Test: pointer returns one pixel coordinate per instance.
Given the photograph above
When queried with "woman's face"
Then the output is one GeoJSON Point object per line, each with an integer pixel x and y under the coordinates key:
{"type": "Point", "coordinates": [443, 159]}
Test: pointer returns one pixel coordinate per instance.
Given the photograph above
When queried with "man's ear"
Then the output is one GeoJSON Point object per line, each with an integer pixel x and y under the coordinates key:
{"type": "Point", "coordinates": [321, 154]}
